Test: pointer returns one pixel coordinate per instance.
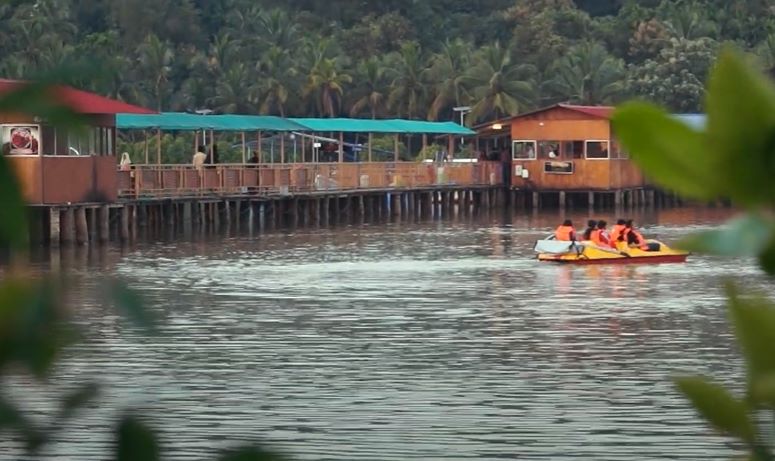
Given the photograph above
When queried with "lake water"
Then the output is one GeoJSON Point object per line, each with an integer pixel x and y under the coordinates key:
{"type": "Point", "coordinates": [435, 340]}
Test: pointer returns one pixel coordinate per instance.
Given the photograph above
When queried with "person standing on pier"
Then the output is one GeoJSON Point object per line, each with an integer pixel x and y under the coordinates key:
{"type": "Point", "coordinates": [199, 159]}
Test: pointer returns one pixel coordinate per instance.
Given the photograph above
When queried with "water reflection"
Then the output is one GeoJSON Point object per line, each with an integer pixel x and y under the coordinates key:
{"type": "Point", "coordinates": [437, 340]}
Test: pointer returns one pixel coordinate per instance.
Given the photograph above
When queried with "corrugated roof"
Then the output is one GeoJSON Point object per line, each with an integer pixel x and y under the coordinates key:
{"type": "Point", "coordinates": [354, 125]}
{"type": "Point", "coordinates": [79, 101]}
{"type": "Point", "coordinates": [179, 121]}
{"type": "Point", "coordinates": [595, 111]}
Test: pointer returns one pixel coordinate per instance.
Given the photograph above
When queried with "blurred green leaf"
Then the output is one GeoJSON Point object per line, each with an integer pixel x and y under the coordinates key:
{"type": "Point", "coordinates": [251, 454]}
{"type": "Point", "coordinates": [77, 399]}
{"type": "Point", "coordinates": [131, 305]}
{"type": "Point", "coordinates": [747, 235]}
{"type": "Point", "coordinates": [34, 328]}
{"type": "Point", "coordinates": [13, 218]}
{"type": "Point", "coordinates": [136, 442]}
{"type": "Point", "coordinates": [767, 257]}
{"type": "Point", "coordinates": [741, 129]}
{"type": "Point", "coordinates": [753, 318]}
{"type": "Point", "coordinates": [762, 391]}
{"type": "Point", "coordinates": [11, 418]}
{"type": "Point", "coordinates": [668, 151]}
{"type": "Point", "coordinates": [718, 407]}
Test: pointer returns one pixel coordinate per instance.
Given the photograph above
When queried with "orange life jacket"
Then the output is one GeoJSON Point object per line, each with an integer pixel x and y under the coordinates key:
{"type": "Point", "coordinates": [637, 238]}
{"type": "Point", "coordinates": [566, 233]}
{"type": "Point", "coordinates": [599, 237]}
{"type": "Point", "coordinates": [618, 233]}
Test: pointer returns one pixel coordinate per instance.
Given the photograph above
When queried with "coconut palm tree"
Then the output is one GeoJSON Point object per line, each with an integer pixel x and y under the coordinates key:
{"type": "Point", "coordinates": [587, 74]}
{"type": "Point", "coordinates": [326, 85]}
{"type": "Point", "coordinates": [224, 51]}
{"type": "Point", "coordinates": [408, 93]}
{"type": "Point", "coordinates": [155, 60]}
{"type": "Point", "coordinates": [447, 74]}
{"type": "Point", "coordinates": [275, 81]}
{"type": "Point", "coordinates": [497, 86]}
{"type": "Point", "coordinates": [276, 28]}
{"type": "Point", "coordinates": [371, 92]}
{"type": "Point", "coordinates": [232, 91]}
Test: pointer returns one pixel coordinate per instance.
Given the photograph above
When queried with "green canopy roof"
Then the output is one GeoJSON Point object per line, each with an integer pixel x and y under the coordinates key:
{"type": "Point", "coordinates": [179, 121]}
{"type": "Point", "coordinates": [191, 122]}
{"type": "Point", "coordinates": [354, 125]}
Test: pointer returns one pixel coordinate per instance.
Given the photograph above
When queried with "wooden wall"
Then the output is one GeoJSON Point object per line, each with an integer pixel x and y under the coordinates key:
{"type": "Point", "coordinates": [587, 175]}
{"type": "Point", "coordinates": [66, 179]}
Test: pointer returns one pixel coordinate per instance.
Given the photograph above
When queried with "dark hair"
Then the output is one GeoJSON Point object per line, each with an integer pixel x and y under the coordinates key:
{"type": "Point", "coordinates": [621, 222]}
{"type": "Point", "coordinates": [592, 223]}
{"type": "Point", "coordinates": [628, 223]}
{"type": "Point", "coordinates": [567, 222]}
{"type": "Point", "coordinates": [601, 224]}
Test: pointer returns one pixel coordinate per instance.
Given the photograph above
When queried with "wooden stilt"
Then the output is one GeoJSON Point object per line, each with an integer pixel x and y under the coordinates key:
{"type": "Point", "coordinates": [54, 226]}
{"type": "Point", "coordinates": [124, 224]}
{"type": "Point", "coordinates": [68, 225]}
{"type": "Point", "coordinates": [81, 226]}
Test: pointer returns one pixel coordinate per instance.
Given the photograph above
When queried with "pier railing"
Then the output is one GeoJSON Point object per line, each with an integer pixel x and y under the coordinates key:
{"type": "Point", "coordinates": [173, 181]}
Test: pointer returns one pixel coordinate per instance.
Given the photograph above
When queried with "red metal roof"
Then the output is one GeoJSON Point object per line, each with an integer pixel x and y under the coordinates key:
{"type": "Point", "coordinates": [595, 111]}
{"type": "Point", "coordinates": [80, 101]}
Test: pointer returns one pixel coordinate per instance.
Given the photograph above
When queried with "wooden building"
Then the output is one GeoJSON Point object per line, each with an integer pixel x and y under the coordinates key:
{"type": "Point", "coordinates": [56, 166]}
{"type": "Point", "coordinates": [563, 148]}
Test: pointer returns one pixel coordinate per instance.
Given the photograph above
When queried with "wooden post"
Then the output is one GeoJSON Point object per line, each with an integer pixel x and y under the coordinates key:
{"type": "Point", "coordinates": [562, 199]}
{"type": "Point", "coordinates": [591, 200]}
{"type": "Point", "coordinates": [282, 148]}
{"type": "Point", "coordinates": [424, 141]}
{"type": "Point", "coordinates": [371, 136]}
{"type": "Point", "coordinates": [145, 134]}
{"type": "Point", "coordinates": [54, 226]}
{"type": "Point", "coordinates": [536, 200]}
{"type": "Point", "coordinates": [67, 225]}
{"type": "Point", "coordinates": [258, 146]}
{"type": "Point", "coordinates": [450, 147]}
{"type": "Point", "coordinates": [124, 224]}
{"type": "Point", "coordinates": [81, 226]}
{"type": "Point", "coordinates": [244, 147]}
{"type": "Point", "coordinates": [395, 148]}
{"type": "Point", "coordinates": [341, 147]}
{"type": "Point", "coordinates": [158, 147]}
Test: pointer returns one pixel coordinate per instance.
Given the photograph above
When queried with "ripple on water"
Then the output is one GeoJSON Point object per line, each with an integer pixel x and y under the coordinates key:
{"type": "Point", "coordinates": [442, 341]}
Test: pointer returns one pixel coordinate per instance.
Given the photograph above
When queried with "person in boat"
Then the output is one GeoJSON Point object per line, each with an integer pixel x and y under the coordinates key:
{"type": "Point", "coordinates": [566, 232]}
{"type": "Point", "coordinates": [634, 238]}
{"type": "Point", "coordinates": [618, 233]}
{"type": "Point", "coordinates": [591, 226]}
{"type": "Point", "coordinates": [600, 235]}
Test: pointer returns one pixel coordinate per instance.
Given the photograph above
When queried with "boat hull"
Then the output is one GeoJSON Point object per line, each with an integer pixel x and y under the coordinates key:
{"type": "Point", "coordinates": [585, 253]}
{"type": "Point", "coordinates": [661, 259]}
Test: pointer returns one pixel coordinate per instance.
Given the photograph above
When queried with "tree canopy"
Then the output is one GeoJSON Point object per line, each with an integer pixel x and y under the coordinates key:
{"type": "Point", "coordinates": [405, 58]}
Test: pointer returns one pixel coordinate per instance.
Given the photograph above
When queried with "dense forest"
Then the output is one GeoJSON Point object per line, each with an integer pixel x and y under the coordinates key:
{"type": "Point", "coordinates": [407, 58]}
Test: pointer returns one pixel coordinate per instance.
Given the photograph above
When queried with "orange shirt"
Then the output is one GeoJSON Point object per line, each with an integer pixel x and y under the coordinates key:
{"type": "Point", "coordinates": [566, 233]}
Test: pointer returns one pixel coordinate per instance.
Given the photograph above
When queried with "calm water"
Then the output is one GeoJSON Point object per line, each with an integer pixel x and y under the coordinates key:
{"type": "Point", "coordinates": [440, 340]}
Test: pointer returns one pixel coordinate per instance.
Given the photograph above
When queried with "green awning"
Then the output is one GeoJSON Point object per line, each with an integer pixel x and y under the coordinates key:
{"type": "Point", "coordinates": [179, 121]}
{"type": "Point", "coordinates": [354, 125]}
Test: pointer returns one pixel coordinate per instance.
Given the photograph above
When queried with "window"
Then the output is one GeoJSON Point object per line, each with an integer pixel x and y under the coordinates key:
{"type": "Point", "coordinates": [597, 149]}
{"type": "Point", "coordinates": [573, 149]}
{"type": "Point", "coordinates": [524, 150]}
{"type": "Point", "coordinates": [549, 150]}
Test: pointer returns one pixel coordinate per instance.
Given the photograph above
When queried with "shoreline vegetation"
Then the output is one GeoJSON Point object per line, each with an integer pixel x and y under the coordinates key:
{"type": "Point", "coordinates": [393, 58]}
